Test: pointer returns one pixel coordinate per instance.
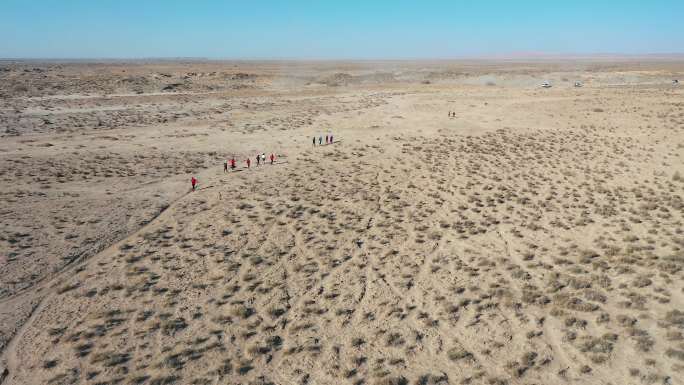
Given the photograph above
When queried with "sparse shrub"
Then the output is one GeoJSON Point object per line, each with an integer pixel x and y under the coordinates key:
{"type": "Point", "coordinates": [243, 312]}
{"type": "Point", "coordinates": [171, 326]}
{"type": "Point", "coordinates": [110, 358]}
{"type": "Point", "coordinates": [68, 287]}
{"type": "Point", "coordinates": [458, 353]}
{"type": "Point", "coordinates": [674, 353]}
{"type": "Point", "coordinates": [49, 364]}
{"type": "Point", "coordinates": [165, 380]}
{"type": "Point", "coordinates": [244, 369]}
{"type": "Point", "coordinates": [83, 350]}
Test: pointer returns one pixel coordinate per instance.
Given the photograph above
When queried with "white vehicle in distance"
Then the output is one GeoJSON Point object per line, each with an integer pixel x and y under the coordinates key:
{"type": "Point", "coordinates": [546, 85]}
{"type": "Point", "coordinates": [578, 84]}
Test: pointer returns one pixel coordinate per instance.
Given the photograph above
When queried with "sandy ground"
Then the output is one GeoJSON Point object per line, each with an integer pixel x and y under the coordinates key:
{"type": "Point", "coordinates": [536, 237]}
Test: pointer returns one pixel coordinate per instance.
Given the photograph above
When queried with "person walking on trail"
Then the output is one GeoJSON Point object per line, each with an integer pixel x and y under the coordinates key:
{"type": "Point", "coordinates": [320, 140]}
{"type": "Point", "coordinates": [258, 159]}
{"type": "Point", "coordinates": [249, 162]}
{"type": "Point", "coordinates": [314, 141]}
{"type": "Point", "coordinates": [193, 181]}
{"type": "Point", "coordinates": [263, 158]}
{"type": "Point", "coordinates": [326, 139]}
{"type": "Point", "coordinates": [272, 158]}
{"type": "Point", "coordinates": [331, 139]}
{"type": "Point", "coordinates": [232, 163]}
{"type": "Point", "coordinates": [225, 166]}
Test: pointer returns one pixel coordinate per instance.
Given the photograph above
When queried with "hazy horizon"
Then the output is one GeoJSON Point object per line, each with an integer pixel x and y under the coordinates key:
{"type": "Point", "coordinates": [493, 57]}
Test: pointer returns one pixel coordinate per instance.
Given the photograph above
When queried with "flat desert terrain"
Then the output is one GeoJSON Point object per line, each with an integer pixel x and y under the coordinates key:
{"type": "Point", "coordinates": [466, 226]}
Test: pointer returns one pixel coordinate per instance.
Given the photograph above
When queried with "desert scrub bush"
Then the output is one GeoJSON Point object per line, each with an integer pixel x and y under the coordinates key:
{"type": "Point", "coordinates": [110, 358]}
{"type": "Point", "coordinates": [83, 350]}
{"type": "Point", "coordinates": [604, 344]}
{"type": "Point", "coordinates": [644, 342]}
{"type": "Point", "coordinates": [573, 303]}
{"type": "Point", "coordinates": [171, 326]}
{"type": "Point", "coordinates": [243, 312]}
{"type": "Point", "coordinates": [674, 353]}
{"type": "Point", "coordinates": [458, 353]}
{"type": "Point", "coordinates": [68, 287]}
{"type": "Point", "coordinates": [49, 364]}
{"type": "Point", "coordinates": [164, 380]}
{"type": "Point", "coordinates": [642, 281]}
{"type": "Point", "coordinates": [674, 318]}
{"type": "Point", "coordinates": [595, 295]}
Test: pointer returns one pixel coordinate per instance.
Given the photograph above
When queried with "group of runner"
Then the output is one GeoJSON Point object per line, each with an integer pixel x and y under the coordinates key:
{"type": "Point", "coordinates": [260, 159]}
{"type": "Point", "coordinates": [328, 140]}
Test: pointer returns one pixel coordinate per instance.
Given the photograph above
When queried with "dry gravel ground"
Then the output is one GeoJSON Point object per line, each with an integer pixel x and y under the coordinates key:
{"type": "Point", "coordinates": [536, 237]}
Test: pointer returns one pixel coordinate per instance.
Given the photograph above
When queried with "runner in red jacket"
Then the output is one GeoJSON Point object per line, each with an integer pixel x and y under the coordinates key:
{"type": "Point", "coordinates": [193, 181]}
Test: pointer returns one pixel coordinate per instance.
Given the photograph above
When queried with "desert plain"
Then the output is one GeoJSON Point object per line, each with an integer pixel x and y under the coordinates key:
{"type": "Point", "coordinates": [466, 226]}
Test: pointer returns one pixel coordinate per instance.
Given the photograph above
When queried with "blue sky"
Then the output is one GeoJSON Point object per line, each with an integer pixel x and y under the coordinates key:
{"type": "Point", "coordinates": [335, 29]}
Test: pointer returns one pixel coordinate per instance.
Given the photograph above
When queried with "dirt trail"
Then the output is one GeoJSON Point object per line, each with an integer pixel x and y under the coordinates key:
{"type": "Point", "coordinates": [46, 288]}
